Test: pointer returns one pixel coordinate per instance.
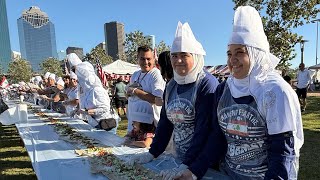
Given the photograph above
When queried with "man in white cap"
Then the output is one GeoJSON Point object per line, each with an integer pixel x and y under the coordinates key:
{"type": "Point", "coordinates": [256, 108]}
{"type": "Point", "coordinates": [145, 85]}
{"type": "Point", "coordinates": [45, 79]}
{"type": "Point", "coordinates": [184, 115]}
{"type": "Point", "coordinates": [55, 98]}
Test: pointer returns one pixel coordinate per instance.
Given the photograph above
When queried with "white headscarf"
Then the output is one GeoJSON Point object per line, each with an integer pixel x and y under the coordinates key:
{"type": "Point", "coordinates": [276, 100]}
{"type": "Point", "coordinates": [198, 63]}
{"type": "Point", "coordinates": [52, 76]}
{"type": "Point", "coordinates": [73, 75]}
{"type": "Point", "coordinates": [60, 82]}
{"type": "Point", "coordinates": [73, 59]}
{"type": "Point", "coordinates": [185, 41]}
{"type": "Point", "coordinates": [46, 75]}
{"type": "Point", "coordinates": [87, 78]}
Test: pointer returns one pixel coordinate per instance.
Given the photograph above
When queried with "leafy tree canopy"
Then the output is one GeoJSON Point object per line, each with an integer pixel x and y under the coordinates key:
{"type": "Point", "coordinates": [20, 70]}
{"type": "Point", "coordinates": [134, 40]}
{"type": "Point", "coordinates": [99, 53]}
{"type": "Point", "coordinates": [280, 18]}
{"type": "Point", "coordinates": [51, 65]}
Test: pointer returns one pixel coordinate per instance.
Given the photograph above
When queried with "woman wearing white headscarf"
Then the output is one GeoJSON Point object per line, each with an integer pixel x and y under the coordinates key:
{"type": "Point", "coordinates": [94, 99]}
{"type": "Point", "coordinates": [187, 99]}
{"type": "Point", "coordinates": [72, 94]}
{"type": "Point", "coordinates": [257, 110]}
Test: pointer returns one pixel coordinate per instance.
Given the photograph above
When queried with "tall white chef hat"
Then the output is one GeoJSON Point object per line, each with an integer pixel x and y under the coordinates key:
{"type": "Point", "coordinates": [185, 41]}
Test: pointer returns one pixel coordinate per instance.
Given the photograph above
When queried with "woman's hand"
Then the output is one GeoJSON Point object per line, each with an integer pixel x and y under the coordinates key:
{"type": "Point", "coordinates": [158, 101]}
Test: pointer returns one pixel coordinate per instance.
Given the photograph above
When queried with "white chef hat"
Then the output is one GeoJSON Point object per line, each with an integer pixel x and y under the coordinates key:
{"type": "Point", "coordinates": [73, 59]}
{"type": "Point", "coordinates": [142, 112]}
{"type": "Point", "coordinates": [60, 82]}
{"type": "Point", "coordinates": [52, 76]}
{"type": "Point", "coordinates": [73, 75]}
{"type": "Point", "coordinates": [248, 29]}
{"type": "Point", "coordinates": [185, 41]}
{"type": "Point", "coordinates": [46, 76]}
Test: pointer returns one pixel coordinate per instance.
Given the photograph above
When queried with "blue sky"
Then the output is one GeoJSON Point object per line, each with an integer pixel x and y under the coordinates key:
{"type": "Point", "coordinates": [80, 23]}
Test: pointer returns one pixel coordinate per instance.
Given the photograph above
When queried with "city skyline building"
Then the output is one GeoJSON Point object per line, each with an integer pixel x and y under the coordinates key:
{"type": "Point", "coordinates": [5, 47]}
{"type": "Point", "coordinates": [77, 50]}
{"type": "Point", "coordinates": [114, 38]}
{"type": "Point", "coordinates": [62, 55]}
{"type": "Point", "coordinates": [152, 39]}
{"type": "Point", "coordinates": [36, 36]}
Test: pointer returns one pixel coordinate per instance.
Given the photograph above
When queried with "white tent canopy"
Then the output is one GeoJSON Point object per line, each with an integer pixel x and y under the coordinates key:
{"type": "Point", "coordinates": [120, 67]}
{"type": "Point", "coordinates": [315, 67]}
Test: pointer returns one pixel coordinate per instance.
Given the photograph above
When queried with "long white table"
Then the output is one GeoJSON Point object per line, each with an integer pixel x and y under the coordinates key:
{"type": "Point", "coordinates": [53, 158]}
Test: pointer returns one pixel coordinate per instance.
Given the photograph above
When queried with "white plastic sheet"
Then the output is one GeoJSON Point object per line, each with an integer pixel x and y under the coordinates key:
{"type": "Point", "coordinates": [14, 115]}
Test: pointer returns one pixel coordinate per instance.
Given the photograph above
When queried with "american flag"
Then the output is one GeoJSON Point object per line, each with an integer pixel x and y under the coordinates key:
{"type": "Point", "coordinates": [101, 73]}
{"type": "Point", "coordinates": [66, 67]}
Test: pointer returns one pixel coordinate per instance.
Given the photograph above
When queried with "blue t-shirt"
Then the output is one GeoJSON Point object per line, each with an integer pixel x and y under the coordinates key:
{"type": "Point", "coordinates": [195, 157]}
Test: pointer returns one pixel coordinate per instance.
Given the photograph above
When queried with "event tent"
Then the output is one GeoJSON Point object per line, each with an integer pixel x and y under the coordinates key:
{"type": "Point", "coordinates": [120, 67]}
{"type": "Point", "coordinates": [315, 67]}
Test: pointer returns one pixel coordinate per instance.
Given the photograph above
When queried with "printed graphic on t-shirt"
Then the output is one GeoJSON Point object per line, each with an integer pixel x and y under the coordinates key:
{"type": "Point", "coordinates": [245, 132]}
{"type": "Point", "coordinates": [181, 113]}
{"type": "Point", "coordinates": [180, 110]}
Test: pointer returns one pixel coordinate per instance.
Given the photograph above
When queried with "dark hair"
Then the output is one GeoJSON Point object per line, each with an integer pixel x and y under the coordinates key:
{"type": "Point", "coordinates": [147, 128]}
{"type": "Point", "coordinates": [66, 77]}
{"type": "Point", "coordinates": [144, 48]}
{"type": "Point", "coordinates": [165, 65]}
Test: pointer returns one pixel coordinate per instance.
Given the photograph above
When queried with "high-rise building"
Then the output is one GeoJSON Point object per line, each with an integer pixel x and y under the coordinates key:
{"type": "Point", "coordinates": [152, 40]}
{"type": "Point", "coordinates": [36, 36]}
{"type": "Point", "coordinates": [62, 55]}
{"type": "Point", "coordinates": [5, 48]}
{"type": "Point", "coordinates": [114, 38]}
{"type": "Point", "coordinates": [78, 51]}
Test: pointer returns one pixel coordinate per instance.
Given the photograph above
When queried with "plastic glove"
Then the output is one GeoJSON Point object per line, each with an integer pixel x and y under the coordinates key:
{"type": "Point", "coordinates": [83, 111]}
{"type": "Point", "coordinates": [140, 158]}
{"type": "Point", "coordinates": [175, 172]}
{"type": "Point", "coordinates": [186, 175]}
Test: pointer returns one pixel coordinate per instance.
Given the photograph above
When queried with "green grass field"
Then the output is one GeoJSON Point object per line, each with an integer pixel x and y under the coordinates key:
{"type": "Point", "coordinates": [15, 163]}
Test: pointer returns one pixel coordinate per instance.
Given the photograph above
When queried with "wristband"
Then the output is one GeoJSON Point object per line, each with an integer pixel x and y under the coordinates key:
{"type": "Point", "coordinates": [134, 90]}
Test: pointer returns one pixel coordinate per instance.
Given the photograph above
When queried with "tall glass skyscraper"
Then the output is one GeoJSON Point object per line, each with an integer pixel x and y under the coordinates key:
{"type": "Point", "coordinates": [5, 48]}
{"type": "Point", "coordinates": [36, 36]}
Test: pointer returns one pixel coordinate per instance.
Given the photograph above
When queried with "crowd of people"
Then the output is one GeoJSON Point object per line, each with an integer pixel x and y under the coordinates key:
{"type": "Point", "coordinates": [247, 126]}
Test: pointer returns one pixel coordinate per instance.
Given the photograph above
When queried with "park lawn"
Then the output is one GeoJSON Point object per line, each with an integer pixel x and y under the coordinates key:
{"type": "Point", "coordinates": [15, 163]}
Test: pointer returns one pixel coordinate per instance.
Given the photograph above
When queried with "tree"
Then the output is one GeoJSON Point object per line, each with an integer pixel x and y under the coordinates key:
{"type": "Point", "coordinates": [279, 20]}
{"type": "Point", "coordinates": [136, 39]}
{"type": "Point", "coordinates": [51, 65]}
{"type": "Point", "coordinates": [162, 47]}
{"type": "Point", "coordinates": [132, 42]}
{"type": "Point", "coordinates": [99, 53]}
{"type": "Point", "coordinates": [20, 70]}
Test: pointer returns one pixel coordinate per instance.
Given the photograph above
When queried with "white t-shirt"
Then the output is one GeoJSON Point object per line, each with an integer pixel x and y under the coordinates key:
{"type": "Point", "coordinates": [151, 82]}
{"type": "Point", "coordinates": [303, 79]}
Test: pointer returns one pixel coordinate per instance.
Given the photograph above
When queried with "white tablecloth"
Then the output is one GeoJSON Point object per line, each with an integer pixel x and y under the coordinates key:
{"type": "Point", "coordinates": [53, 158]}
